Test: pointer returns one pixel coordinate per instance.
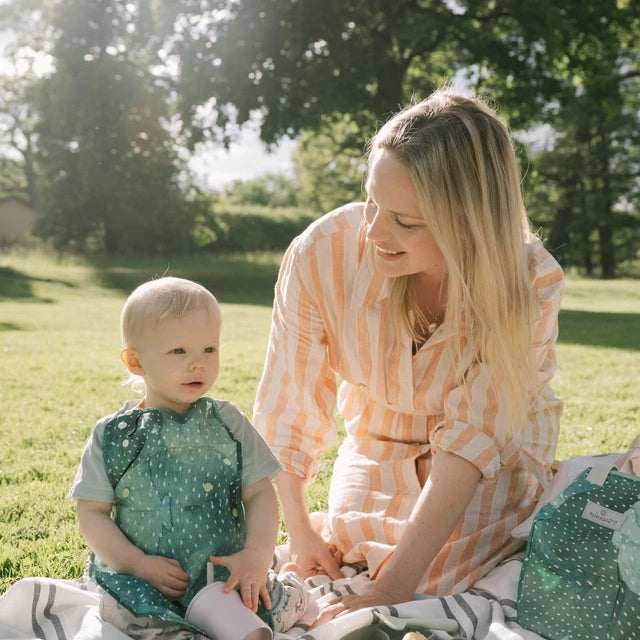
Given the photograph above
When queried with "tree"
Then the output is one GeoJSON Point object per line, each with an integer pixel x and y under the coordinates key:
{"type": "Point", "coordinates": [110, 170]}
{"type": "Point", "coordinates": [268, 190]}
{"type": "Point", "coordinates": [330, 164]}
{"type": "Point", "coordinates": [590, 58]}
{"type": "Point", "coordinates": [17, 133]}
{"type": "Point", "coordinates": [306, 64]}
{"type": "Point", "coordinates": [22, 56]}
{"type": "Point", "coordinates": [301, 62]}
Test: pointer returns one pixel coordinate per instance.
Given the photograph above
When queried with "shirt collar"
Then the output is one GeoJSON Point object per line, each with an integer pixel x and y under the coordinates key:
{"type": "Point", "coordinates": [369, 287]}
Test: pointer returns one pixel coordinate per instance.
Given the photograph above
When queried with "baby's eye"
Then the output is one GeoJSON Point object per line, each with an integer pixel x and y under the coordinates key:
{"type": "Point", "coordinates": [177, 350]}
{"type": "Point", "coordinates": [210, 349]}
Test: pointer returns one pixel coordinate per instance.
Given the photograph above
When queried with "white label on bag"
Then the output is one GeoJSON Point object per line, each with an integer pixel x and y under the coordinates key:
{"type": "Point", "coordinates": [603, 516]}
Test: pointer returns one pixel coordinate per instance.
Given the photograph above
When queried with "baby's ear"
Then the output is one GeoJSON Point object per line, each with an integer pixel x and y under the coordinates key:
{"type": "Point", "coordinates": [130, 360]}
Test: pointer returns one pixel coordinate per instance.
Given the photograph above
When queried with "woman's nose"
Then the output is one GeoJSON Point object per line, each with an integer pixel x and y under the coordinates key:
{"type": "Point", "coordinates": [375, 226]}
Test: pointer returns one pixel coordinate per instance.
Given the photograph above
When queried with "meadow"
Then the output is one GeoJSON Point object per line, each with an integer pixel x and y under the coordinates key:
{"type": "Point", "coordinates": [60, 371]}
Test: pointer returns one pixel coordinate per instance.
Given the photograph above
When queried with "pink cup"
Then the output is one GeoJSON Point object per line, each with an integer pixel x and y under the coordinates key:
{"type": "Point", "coordinates": [224, 616]}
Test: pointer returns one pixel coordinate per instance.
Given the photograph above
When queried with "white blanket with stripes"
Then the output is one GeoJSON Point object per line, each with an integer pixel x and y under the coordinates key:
{"type": "Point", "coordinates": [53, 609]}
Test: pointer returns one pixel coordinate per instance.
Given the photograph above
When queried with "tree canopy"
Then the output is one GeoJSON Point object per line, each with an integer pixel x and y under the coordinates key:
{"type": "Point", "coordinates": [136, 86]}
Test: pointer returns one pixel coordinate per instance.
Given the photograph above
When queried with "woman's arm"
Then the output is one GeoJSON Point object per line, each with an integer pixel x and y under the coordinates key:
{"type": "Point", "coordinates": [295, 402]}
{"type": "Point", "coordinates": [444, 499]}
{"type": "Point", "coordinates": [307, 548]}
{"type": "Point", "coordinates": [106, 540]}
{"type": "Point", "coordinates": [249, 567]}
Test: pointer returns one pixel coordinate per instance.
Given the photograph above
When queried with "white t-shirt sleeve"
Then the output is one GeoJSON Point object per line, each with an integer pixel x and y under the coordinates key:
{"type": "Point", "coordinates": [258, 461]}
{"type": "Point", "coordinates": [91, 481]}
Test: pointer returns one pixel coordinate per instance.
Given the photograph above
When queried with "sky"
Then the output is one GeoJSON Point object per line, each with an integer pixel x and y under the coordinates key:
{"type": "Point", "coordinates": [215, 167]}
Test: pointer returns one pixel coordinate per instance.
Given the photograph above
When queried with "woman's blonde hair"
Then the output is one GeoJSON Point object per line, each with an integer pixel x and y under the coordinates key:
{"type": "Point", "coordinates": [463, 165]}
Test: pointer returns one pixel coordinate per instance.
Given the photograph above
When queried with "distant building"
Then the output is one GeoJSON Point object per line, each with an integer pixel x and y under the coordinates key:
{"type": "Point", "coordinates": [17, 218]}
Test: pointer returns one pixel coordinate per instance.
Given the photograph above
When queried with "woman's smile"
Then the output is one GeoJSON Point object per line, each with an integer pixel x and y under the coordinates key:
{"type": "Point", "coordinates": [386, 254]}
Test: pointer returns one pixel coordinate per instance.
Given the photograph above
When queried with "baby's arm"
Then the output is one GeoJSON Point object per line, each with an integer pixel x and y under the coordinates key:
{"type": "Point", "coordinates": [249, 567]}
{"type": "Point", "coordinates": [112, 547]}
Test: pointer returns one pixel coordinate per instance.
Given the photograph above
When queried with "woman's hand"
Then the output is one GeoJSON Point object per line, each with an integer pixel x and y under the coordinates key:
{"type": "Point", "coordinates": [165, 574]}
{"type": "Point", "coordinates": [307, 547]}
{"type": "Point", "coordinates": [248, 574]}
{"type": "Point", "coordinates": [375, 597]}
{"type": "Point", "coordinates": [314, 557]}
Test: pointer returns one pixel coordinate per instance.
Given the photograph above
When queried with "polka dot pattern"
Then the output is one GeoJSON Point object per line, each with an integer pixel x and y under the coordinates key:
{"type": "Point", "coordinates": [177, 481]}
{"type": "Point", "coordinates": [581, 580]}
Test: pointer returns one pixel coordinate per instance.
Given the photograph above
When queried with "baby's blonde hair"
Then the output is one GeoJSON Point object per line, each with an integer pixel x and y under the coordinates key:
{"type": "Point", "coordinates": [160, 299]}
{"type": "Point", "coordinates": [463, 165]}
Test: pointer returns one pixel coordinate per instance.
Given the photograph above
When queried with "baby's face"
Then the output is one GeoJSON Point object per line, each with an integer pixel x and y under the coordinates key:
{"type": "Point", "coordinates": [180, 358]}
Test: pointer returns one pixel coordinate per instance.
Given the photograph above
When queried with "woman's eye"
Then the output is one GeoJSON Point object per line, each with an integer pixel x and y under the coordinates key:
{"type": "Point", "coordinates": [179, 350]}
{"type": "Point", "coordinates": [210, 350]}
{"type": "Point", "coordinates": [404, 226]}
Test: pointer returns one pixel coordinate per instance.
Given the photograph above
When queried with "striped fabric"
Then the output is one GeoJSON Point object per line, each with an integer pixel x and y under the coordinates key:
{"type": "Point", "coordinates": [331, 323]}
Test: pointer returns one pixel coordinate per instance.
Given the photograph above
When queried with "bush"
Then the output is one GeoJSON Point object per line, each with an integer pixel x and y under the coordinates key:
{"type": "Point", "coordinates": [237, 229]}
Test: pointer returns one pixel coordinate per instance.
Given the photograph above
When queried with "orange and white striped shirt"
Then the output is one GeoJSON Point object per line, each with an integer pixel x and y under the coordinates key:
{"type": "Point", "coordinates": [331, 321]}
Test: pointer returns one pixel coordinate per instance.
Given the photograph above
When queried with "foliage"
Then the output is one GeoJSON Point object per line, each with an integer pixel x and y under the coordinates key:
{"type": "Point", "coordinates": [108, 165]}
{"type": "Point", "coordinates": [18, 174]}
{"type": "Point", "coordinates": [299, 62]}
{"type": "Point", "coordinates": [229, 228]}
{"type": "Point", "coordinates": [11, 178]}
{"type": "Point", "coordinates": [268, 190]}
{"type": "Point", "coordinates": [306, 65]}
{"type": "Point", "coordinates": [60, 344]}
{"type": "Point", "coordinates": [139, 85]}
{"type": "Point", "coordinates": [329, 165]}
{"type": "Point", "coordinates": [586, 183]}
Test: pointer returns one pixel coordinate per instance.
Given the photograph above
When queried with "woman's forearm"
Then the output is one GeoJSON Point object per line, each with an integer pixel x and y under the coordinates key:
{"type": "Point", "coordinates": [446, 495]}
{"type": "Point", "coordinates": [293, 499]}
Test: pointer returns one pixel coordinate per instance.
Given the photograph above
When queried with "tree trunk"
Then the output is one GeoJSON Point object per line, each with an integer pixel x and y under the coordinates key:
{"type": "Point", "coordinates": [605, 212]}
{"type": "Point", "coordinates": [30, 173]}
{"type": "Point", "coordinates": [390, 72]}
{"type": "Point", "coordinates": [558, 243]}
{"type": "Point", "coordinates": [607, 251]}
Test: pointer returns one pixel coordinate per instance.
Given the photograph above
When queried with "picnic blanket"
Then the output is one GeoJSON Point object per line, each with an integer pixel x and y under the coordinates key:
{"type": "Point", "coordinates": [52, 609]}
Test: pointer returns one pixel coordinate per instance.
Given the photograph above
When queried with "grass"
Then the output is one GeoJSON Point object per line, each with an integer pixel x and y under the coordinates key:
{"type": "Point", "coordinates": [61, 371]}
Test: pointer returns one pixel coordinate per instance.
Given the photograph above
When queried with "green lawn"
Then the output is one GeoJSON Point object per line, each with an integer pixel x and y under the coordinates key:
{"type": "Point", "coordinates": [61, 371]}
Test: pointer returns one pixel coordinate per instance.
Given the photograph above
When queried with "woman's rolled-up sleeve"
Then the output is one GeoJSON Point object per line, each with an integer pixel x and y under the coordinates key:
{"type": "Point", "coordinates": [297, 393]}
{"type": "Point", "coordinates": [475, 425]}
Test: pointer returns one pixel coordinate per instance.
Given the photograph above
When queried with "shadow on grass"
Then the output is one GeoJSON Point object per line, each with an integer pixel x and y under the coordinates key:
{"type": "Point", "coordinates": [232, 279]}
{"type": "Point", "coordinates": [600, 329]}
{"type": "Point", "coordinates": [9, 326]}
{"type": "Point", "coordinates": [15, 285]}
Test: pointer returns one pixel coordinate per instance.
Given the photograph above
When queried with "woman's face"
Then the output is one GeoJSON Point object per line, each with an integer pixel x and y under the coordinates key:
{"type": "Point", "coordinates": [395, 225]}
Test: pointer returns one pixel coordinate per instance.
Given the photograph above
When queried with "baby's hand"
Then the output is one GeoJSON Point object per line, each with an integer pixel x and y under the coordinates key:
{"type": "Point", "coordinates": [165, 574]}
{"type": "Point", "coordinates": [247, 575]}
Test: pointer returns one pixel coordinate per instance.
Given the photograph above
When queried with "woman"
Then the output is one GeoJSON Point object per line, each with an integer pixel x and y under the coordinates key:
{"type": "Point", "coordinates": [437, 307]}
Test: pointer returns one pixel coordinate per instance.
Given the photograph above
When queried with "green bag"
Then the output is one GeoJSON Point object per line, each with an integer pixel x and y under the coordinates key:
{"type": "Point", "coordinates": [580, 578]}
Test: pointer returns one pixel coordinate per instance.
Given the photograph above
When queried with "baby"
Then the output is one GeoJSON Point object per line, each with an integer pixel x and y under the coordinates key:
{"type": "Point", "coordinates": [177, 480]}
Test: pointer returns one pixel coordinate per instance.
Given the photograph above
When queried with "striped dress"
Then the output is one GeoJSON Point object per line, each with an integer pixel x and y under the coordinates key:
{"type": "Point", "coordinates": [332, 345]}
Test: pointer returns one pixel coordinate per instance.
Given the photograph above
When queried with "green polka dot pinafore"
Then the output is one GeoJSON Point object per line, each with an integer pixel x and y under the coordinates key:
{"type": "Point", "coordinates": [581, 575]}
{"type": "Point", "coordinates": [177, 481]}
